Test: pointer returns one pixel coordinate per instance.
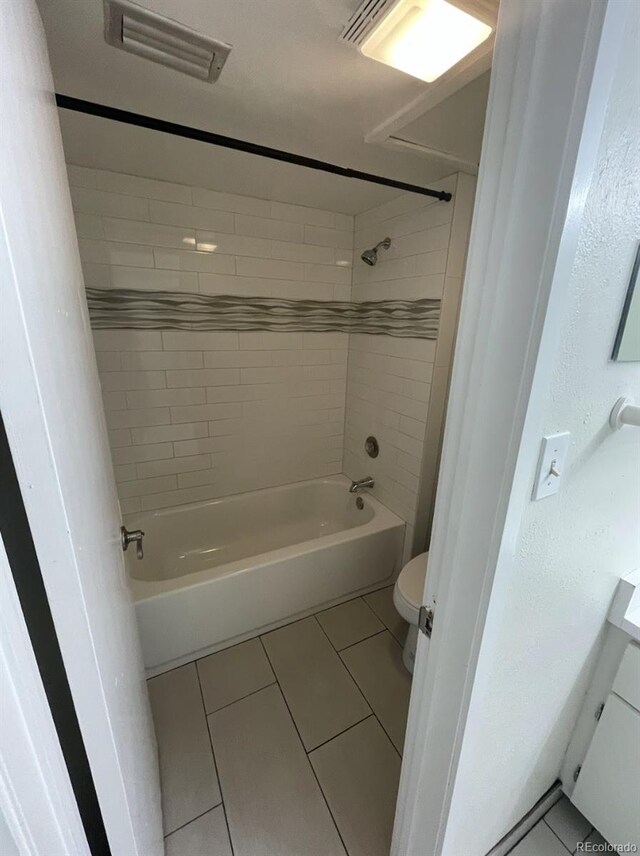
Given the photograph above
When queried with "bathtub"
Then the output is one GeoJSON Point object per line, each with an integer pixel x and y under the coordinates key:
{"type": "Point", "coordinates": [217, 572]}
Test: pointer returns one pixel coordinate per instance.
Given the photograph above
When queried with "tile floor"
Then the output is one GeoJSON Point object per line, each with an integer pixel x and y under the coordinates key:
{"type": "Point", "coordinates": [561, 831]}
{"type": "Point", "coordinates": [290, 743]}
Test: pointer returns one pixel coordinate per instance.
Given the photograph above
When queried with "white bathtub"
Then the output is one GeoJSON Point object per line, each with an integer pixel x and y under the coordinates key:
{"type": "Point", "coordinates": [216, 572]}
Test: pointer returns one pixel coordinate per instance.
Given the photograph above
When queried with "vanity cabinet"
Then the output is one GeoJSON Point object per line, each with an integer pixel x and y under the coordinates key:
{"type": "Point", "coordinates": [607, 790]}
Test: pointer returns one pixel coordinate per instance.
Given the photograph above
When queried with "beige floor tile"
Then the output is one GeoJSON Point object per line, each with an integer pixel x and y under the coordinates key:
{"type": "Point", "coordinates": [539, 842]}
{"type": "Point", "coordinates": [206, 836]}
{"type": "Point", "coordinates": [381, 602]}
{"type": "Point", "coordinates": [321, 695]}
{"type": "Point", "coordinates": [187, 770]}
{"type": "Point", "coordinates": [569, 825]}
{"type": "Point", "coordinates": [273, 802]}
{"type": "Point", "coordinates": [232, 674]}
{"type": "Point", "coordinates": [376, 666]}
{"type": "Point", "coordinates": [359, 773]}
{"type": "Point", "coordinates": [349, 623]}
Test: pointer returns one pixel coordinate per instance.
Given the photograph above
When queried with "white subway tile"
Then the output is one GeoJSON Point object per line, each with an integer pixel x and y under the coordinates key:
{"type": "Point", "coordinates": [138, 232]}
{"type": "Point", "coordinates": [339, 238]}
{"type": "Point", "coordinates": [125, 472]}
{"type": "Point", "coordinates": [165, 397]}
{"type": "Point", "coordinates": [217, 283]}
{"type": "Point", "coordinates": [149, 279]}
{"type": "Point", "coordinates": [167, 434]}
{"type": "Point", "coordinates": [297, 252]}
{"type": "Point", "coordinates": [258, 341]}
{"type": "Point", "coordinates": [150, 469]}
{"type": "Point", "coordinates": [119, 437]}
{"type": "Point", "coordinates": [196, 413]}
{"type": "Point", "coordinates": [198, 477]}
{"type": "Point", "coordinates": [96, 276]}
{"type": "Point", "coordinates": [81, 176]}
{"type": "Point", "coordinates": [88, 201]}
{"type": "Point", "coordinates": [146, 360]}
{"type": "Point", "coordinates": [269, 268]}
{"type": "Point", "coordinates": [231, 202]}
{"type": "Point", "coordinates": [203, 377]}
{"type": "Point", "coordinates": [207, 262]}
{"type": "Point", "coordinates": [135, 454]}
{"type": "Point", "coordinates": [302, 214]}
{"type": "Point", "coordinates": [143, 417]}
{"type": "Point", "coordinates": [318, 341]}
{"type": "Point", "coordinates": [262, 227]}
{"type": "Point", "coordinates": [142, 487]}
{"type": "Point", "coordinates": [178, 497]}
{"type": "Point", "coordinates": [149, 188]}
{"type": "Point", "coordinates": [109, 361]}
{"type": "Point", "coordinates": [127, 340]}
{"type": "Point", "coordinates": [238, 359]}
{"type": "Point", "coordinates": [114, 400]}
{"type": "Point", "coordinates": [131, 505]}
{"type": "Point", "coordinates": [173, 214]}
{"type": "Point", "coordinates": [213, 340]}
{"type": "Point", "coordinates": [109, 253]}
{"type": "Point", "coordinates": [280, 374]}
{"type": "Point", "coordinates": [236, 245]}
{"type": "Point", "coordinates": [133, 380]}
{"type": "Point", "coordinates": [334, 274]}
{"type": "Point", "coordinates": [89, 225]}
{"type": "Point", "coordinates": [412, 427]}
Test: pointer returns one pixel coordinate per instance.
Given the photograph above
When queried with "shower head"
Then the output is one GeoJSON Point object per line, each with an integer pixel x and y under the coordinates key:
{"type": "Point", "coordinates": [370, 257]}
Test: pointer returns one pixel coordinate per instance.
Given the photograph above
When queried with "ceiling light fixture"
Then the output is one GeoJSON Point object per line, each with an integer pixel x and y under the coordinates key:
{"type": "Point", "coordinates": [424, 38]}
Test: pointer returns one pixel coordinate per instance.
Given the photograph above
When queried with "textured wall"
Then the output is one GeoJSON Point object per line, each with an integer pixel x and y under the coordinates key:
{"type": "Point", "coordinates": [547, 614]}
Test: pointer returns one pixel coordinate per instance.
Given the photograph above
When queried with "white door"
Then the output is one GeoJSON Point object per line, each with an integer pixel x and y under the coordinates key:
{"type": "Point", "coordinates": [553, 67]}
{"type": "Point", "coordinates": [50, 402]}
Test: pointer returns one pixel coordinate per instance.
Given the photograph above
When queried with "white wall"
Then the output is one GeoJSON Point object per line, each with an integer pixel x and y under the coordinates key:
{"type": "Point", "coordinates": [195, 415]}
{"type": "Point", "coordinates": [552, 593]}
{"type": "Point", "coordinates": [397, 388]}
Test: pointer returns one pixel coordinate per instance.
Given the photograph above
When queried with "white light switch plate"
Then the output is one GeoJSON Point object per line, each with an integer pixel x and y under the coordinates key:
{"type": "Point", "coordinates": [553, 454]}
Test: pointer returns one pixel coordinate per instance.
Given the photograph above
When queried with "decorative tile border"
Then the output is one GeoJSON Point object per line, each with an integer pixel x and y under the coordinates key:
{"type": "Point", "coordinates": [123, 308]}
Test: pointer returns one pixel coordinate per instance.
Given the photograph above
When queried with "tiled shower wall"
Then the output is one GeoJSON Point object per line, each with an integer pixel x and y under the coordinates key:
{"type": "Point", "coordinates": [397, 388]}
{"type": "Point", "coordinates": [196, 415]}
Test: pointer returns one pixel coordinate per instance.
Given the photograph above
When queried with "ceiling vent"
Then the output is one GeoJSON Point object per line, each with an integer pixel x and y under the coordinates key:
{"type": "Point", "coordinates": [131, 28]}
{"type": "Point", "coordinates": [363, 19]}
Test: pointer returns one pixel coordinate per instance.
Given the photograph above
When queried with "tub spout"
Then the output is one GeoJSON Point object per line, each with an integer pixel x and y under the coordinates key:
{"type": "Point", "coordinates": [361, 484]}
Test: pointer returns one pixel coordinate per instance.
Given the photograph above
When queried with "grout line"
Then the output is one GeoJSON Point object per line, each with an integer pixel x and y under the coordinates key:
{"type": "Point", "coordinates": [304, 748]}
{"type": "Point", "coordinates": [340, 733]}
{"type": "Point", "coordinates": [242, 698]}
{"type": "Point", "coordinates": [341, 661]}
{"type": "Point", "coordinates": [353, 678]}
{"type": "Point", "coordinates": [364, 639]}
{"type": "Point", "coordinates": [193, 819]}
{"type": "Point", "coordinates": [548, 825]}
{"type": "Point", "coordinates": [215, 763]}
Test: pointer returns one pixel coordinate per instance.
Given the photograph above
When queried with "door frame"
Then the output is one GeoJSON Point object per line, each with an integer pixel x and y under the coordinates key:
{"type": "Point", "coordinates": [553, 69]}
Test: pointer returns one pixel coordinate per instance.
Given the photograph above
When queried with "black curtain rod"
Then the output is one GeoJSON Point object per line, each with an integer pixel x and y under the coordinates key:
{"type": "Point", "coordinates": [129, 118]}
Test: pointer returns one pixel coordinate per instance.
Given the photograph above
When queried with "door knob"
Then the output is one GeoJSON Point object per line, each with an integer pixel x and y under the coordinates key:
{"type": "Point", "coordinates": [127, 538]}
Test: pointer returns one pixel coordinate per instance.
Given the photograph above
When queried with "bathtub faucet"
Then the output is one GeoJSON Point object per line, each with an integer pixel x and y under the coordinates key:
{"type": "Point", "coordinates": [361, 484]}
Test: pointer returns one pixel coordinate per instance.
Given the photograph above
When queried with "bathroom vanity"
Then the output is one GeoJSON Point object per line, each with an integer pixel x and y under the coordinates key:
{"type": "Point", "coordinates": [601, 771]}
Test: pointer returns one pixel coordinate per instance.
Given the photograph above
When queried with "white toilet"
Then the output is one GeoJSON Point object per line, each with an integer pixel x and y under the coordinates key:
{"type": "Point", "coordinates": [407, 598]}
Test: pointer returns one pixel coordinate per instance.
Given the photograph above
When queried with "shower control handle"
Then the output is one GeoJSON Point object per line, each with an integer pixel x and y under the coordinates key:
{"type": "Point", "coordinates": [127, 538]}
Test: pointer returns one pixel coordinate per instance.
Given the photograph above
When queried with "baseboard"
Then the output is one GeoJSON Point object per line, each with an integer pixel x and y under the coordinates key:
{"type": "Point", "coordinates": [506, 844]}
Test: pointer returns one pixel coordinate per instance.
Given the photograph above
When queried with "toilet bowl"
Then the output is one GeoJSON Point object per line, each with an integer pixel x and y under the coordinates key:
{"type": "Point", "coordinates": [407, 598]}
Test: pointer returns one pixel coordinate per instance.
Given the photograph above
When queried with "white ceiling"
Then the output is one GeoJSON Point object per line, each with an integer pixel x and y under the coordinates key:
{"type": "Point", "coordinates": [289, 83]}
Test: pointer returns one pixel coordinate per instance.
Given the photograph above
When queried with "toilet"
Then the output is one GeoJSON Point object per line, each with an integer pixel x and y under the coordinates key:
{"type": "Point", "coordinates": [407, 598]}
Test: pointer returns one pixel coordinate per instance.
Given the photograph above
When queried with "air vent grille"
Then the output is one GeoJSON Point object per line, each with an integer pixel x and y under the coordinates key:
{"type": "Point", "coordinates": [362, 20]}
{"type": "Point", "coordinates": [131, 28]}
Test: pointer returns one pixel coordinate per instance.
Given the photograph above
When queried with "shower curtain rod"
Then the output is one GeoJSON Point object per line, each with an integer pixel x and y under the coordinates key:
{"type": "Point", "coordinates": [142, 121]}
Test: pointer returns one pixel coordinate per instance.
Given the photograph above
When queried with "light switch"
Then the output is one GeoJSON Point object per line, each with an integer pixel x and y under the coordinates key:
{"type": "Point", "coordinates": [551, 463]}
